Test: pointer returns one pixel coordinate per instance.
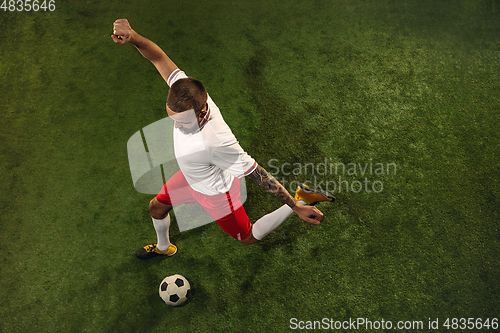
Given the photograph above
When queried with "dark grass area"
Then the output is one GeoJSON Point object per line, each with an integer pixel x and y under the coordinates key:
{"type": "Point", "coordinates": [413, 83]}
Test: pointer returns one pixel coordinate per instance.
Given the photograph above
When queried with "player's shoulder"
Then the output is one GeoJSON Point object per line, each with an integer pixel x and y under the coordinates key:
{"type": "Point", "coordinates": [175, 76]}
{"type": "Point", "coordinates": [216, 121]}
{"type": "Point", "coordinates": [216, 130]}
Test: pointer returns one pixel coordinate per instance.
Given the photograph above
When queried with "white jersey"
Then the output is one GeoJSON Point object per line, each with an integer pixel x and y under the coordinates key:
{"type": "Point", "coordinates": [211, 157]}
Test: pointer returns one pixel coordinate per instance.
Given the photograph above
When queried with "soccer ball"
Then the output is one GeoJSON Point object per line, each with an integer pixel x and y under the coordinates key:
{"type": "Point", "coordinates": [175, 290]}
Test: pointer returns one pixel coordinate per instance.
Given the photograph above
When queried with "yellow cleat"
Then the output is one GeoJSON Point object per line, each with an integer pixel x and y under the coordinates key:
{"type": "Point", "coordinates": [312, 196]}
{"type": "Point", "coordinates": [151, 251]}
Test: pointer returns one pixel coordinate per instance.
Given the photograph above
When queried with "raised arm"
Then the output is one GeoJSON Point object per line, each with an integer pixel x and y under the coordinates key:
{"type": "Point", "coordinates": [123, 33]}
{"type": "Point", "coordinates": [265, 180]}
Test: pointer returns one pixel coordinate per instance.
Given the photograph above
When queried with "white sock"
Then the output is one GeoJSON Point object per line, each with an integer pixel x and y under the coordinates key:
{"type": "Point", "coordinates": [161, 227]}
{"type": "Point", "coordinates": [271, 221]}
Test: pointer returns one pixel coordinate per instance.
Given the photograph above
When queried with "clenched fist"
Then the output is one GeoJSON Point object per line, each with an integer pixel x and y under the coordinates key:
{"type": "Point", "coordinates": [122, 31]}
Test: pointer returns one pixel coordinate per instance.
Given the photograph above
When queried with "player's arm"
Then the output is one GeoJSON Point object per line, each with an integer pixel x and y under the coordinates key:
{"type": "Point", "coordinates": [265, 180]}
{"type": "Point", "coordinates": [123, 33]}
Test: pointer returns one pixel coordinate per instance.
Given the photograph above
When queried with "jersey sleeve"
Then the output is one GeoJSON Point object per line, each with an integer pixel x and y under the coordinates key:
{"type": "Point", "coordinates": [176, 75]}
{"type": "Point", "coordinates": [234, 160]}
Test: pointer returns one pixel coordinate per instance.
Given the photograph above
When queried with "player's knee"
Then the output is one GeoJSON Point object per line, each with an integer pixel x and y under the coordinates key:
{"type": "Point", "coordinates": [249, 240]}
{"type": "Point", "coordinates": [158, 210]}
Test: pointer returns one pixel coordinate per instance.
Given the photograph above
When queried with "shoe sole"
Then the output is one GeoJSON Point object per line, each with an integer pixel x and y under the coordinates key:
{"type": "Point", "coordinates": [308, 189]}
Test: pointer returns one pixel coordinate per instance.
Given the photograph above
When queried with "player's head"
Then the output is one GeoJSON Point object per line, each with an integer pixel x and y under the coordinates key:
{"type": "Point", "coordinates": [187, 104]}
{"type": "Point", "coordinates": [187, 94]}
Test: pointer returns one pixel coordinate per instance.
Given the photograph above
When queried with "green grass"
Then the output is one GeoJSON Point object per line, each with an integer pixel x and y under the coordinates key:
{"type": "Point", "coordinates": [415, 83]}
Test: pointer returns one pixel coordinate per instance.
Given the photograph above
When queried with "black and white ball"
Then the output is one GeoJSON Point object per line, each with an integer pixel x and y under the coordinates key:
{"type": "Point", "coordinates": [175, 290]}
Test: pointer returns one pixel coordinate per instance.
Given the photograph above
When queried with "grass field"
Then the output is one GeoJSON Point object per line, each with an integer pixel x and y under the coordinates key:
{"type": "Point", "coordinates": [412, 84]}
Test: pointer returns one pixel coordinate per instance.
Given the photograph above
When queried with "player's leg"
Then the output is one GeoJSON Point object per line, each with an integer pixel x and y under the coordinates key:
{"type": "Point", "coordinates": [266, 224]}
{"type": "Point", "coordinates": [159, 209]}
{"type": "Point", "coordinates": [236, 223]}
{"type": "Point", "coordinates": [161, 222]}
{"type": "Point", "coordinates": [249, 240]}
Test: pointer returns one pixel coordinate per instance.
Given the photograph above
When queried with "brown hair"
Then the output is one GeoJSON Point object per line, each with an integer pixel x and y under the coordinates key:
{"type": "Point", "coordinates": [186, 94]}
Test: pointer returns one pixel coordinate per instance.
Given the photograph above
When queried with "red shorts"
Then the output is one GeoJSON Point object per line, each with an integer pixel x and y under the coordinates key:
{"type": "Point", "coordinates": [225, 208]}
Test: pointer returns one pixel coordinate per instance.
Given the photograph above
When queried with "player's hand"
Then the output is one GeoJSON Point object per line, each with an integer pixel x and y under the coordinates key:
{"type": "Point", "coordinates": [309, 214]}
{"type": "Point", "coordinates": [122, 31]}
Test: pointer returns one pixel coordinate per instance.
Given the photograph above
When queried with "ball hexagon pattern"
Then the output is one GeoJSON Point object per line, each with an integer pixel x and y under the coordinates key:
{"type": "Point", "coordinates": [174, 290]}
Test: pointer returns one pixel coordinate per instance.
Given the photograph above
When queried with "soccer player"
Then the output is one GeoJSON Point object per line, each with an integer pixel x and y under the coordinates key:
{"type": "Point", "coordinates": [211, 161]}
